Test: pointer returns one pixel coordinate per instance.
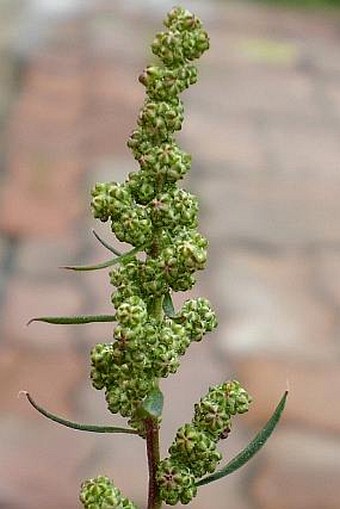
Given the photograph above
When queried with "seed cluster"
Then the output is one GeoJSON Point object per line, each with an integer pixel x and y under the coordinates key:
{"type": "Point", "coordinates": [100, 493]}
{"type": "Point", "coordinates": [150, 212]}
{"type": "Point", "coordinates": [193, 453]}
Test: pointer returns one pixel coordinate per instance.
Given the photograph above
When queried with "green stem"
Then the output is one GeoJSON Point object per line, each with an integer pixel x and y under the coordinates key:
{"type": "Point", "coordinates": [152, 428]}
{"type": "Point", "coordinates": [153, 453]}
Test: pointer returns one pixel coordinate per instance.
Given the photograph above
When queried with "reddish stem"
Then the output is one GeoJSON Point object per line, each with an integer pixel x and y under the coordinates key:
{"type": "Point", "coordinates": [153, 453]}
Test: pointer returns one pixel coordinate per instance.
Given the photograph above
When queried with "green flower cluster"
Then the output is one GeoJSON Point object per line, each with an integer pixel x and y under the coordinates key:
{"type": "Point", "coordinates": [149, 204]}
{"type": "Point", "coordinates": [145, 349]}
{"type": "Point", "coordinates": [100, 493]}
{"type": "Point", "coordinates": [150, 212]}
{"type": "Point", "coordinates": [193, 453]}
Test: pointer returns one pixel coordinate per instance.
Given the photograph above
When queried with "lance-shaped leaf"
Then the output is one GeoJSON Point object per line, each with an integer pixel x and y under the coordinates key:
{"type": "Point", "coordinates": [152, 406]}
{"type": "Point", "coordinates": [252, 448]}
{"type": "Point", "coordinates": [102, 265]}
{"type": "Point", "coordinates": [168, 306]}
{"type": "Point", "coordinates": [73, 320]}
{"type": "Point", "coordinates": [74, 425]}
{"type": "Point", "coordinates": [105, 244]}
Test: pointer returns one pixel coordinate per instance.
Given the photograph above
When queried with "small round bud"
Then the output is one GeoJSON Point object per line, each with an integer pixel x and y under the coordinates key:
{"type": "Point", "coordinates": [195, 449]}
{"type": "Point", "coordinates": [181, 19]}
{"type": "Point", "coordinates": [152, 278]}
{"type": "Point", "coordinates": [132, 312]}
{"type": "Point", "coordinates": [168, 47]}
{"type": "Point", "coordinates": [134, 226]}
{"type": "Point", "coordinates": [139, 143]}
{"type": "Point", "coordinates": [237, 398]}
{"type": "Point", "coordinates": [100, 493]}
{"type": "Point", "coordinates": [197, 317]}
{"type": "Point", "coordinates": [211, 418]}
{"type": "Point", "coordinates": [167, 160]}
{"type": "Point", "coordinates": [101, 360]}
{"type": "Point", "coordinates": [174, 208]}
{"type": "Point", "coordinates": [163, 83]}
{"type": "Point", "coordinates": [176, 482]}
{"type": "Point", "coordinates": [194, 44]}
{"type": "Point", "coordinates": [100, 201]}
{"type": "Point", "coordinates": [160, 118]}
{"type": "Point", "coordinates": [142, 187]}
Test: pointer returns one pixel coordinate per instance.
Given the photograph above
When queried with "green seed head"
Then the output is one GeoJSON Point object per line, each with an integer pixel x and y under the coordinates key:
{"type": "Point", "coordinates": [176, 483]}
{"type": "Point", "coordinates": [100, 493]}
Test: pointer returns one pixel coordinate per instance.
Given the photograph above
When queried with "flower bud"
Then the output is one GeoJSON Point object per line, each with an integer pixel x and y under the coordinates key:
{"type": "Point", "coordinates": [139, 142]}
{"type": "Point", "coordinates": [197, 317]}
{"type": "Point", "coordinates": [160, 118]}
{"type": "Point", "coordinates": [176, 483]}
{"type": "Point", "coordinates": [132, 312]}
{"type": "Point", "coordinates": [181, 19]}
{"type": "Point", "coordinates": [134, 226]}
{"type": "Point", "coordinates": [237, 398]}
{"type": "Point", "coordinates": [142, 187]}
{"type": "Point", "coordinates": [214, 411]}
{"type": "Point", "coordinates": [195, 449]}
{"type": "Point", "coordinates": [100, 493]}
{"type": "Point", "coordinates": [167, 46]}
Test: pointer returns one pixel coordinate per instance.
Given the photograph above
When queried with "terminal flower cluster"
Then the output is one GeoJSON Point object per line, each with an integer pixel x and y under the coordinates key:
{"type": "Point", "coordinates": [154, 215]}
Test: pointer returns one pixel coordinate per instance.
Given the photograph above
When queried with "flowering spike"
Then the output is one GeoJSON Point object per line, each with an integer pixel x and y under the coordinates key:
{"type": "Point", "coordinates": [252, 448]}
{"type": "Point", "coordinates": [158, 218]}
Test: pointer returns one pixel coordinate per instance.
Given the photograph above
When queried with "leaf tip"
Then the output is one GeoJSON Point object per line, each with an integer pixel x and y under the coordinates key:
{"type": "Point", "coordinates": [22, 393]}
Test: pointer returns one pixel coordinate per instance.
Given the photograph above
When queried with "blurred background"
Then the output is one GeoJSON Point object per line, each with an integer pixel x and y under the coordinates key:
{"type": "Point", "coordinates": [263, 127]}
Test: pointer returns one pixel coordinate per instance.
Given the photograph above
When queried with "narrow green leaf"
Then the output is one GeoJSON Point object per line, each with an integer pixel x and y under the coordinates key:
{"type": "Point", "coordinates": [153, 403]}
{"type": "Point", "coordinates": [74, 425]}
{"type": "Point", "coordinates": [105, 244]}
{"type": "Point", "coordinates": [99, 266]}
{"type": "Point", "coordinates": [252, 448]}
{"type": "Point", "coordinates": [73, 320]}
{"type": "Point", "coordinates": [168, 306]}
{"type": "Point", "coordinates": [102, 265]}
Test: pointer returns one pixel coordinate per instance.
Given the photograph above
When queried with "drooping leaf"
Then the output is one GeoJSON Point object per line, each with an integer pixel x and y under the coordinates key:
{"type": "Point", "coordinates": [74, 425]}
{"type": "Point", "coordinates": [102, 265]}
{"type": "Point", "coordinates": [168, 306]}
{"type": "Point", "coordinates": [105, 244]}
{"type": "Point", "coordinates": [252, 448]}
{"type": "Point", "coordinates": [73, 320]}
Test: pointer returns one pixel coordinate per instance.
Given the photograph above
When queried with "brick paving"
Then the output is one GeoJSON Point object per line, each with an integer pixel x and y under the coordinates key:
{"type": "Point", "coordinates": [263, 127]}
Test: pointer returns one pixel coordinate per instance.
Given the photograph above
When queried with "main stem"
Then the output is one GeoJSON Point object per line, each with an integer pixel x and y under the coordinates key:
{"type": "Point", "coordinates": [153, 453]}
{"type": "Point", "coordinates": [152, 423]}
